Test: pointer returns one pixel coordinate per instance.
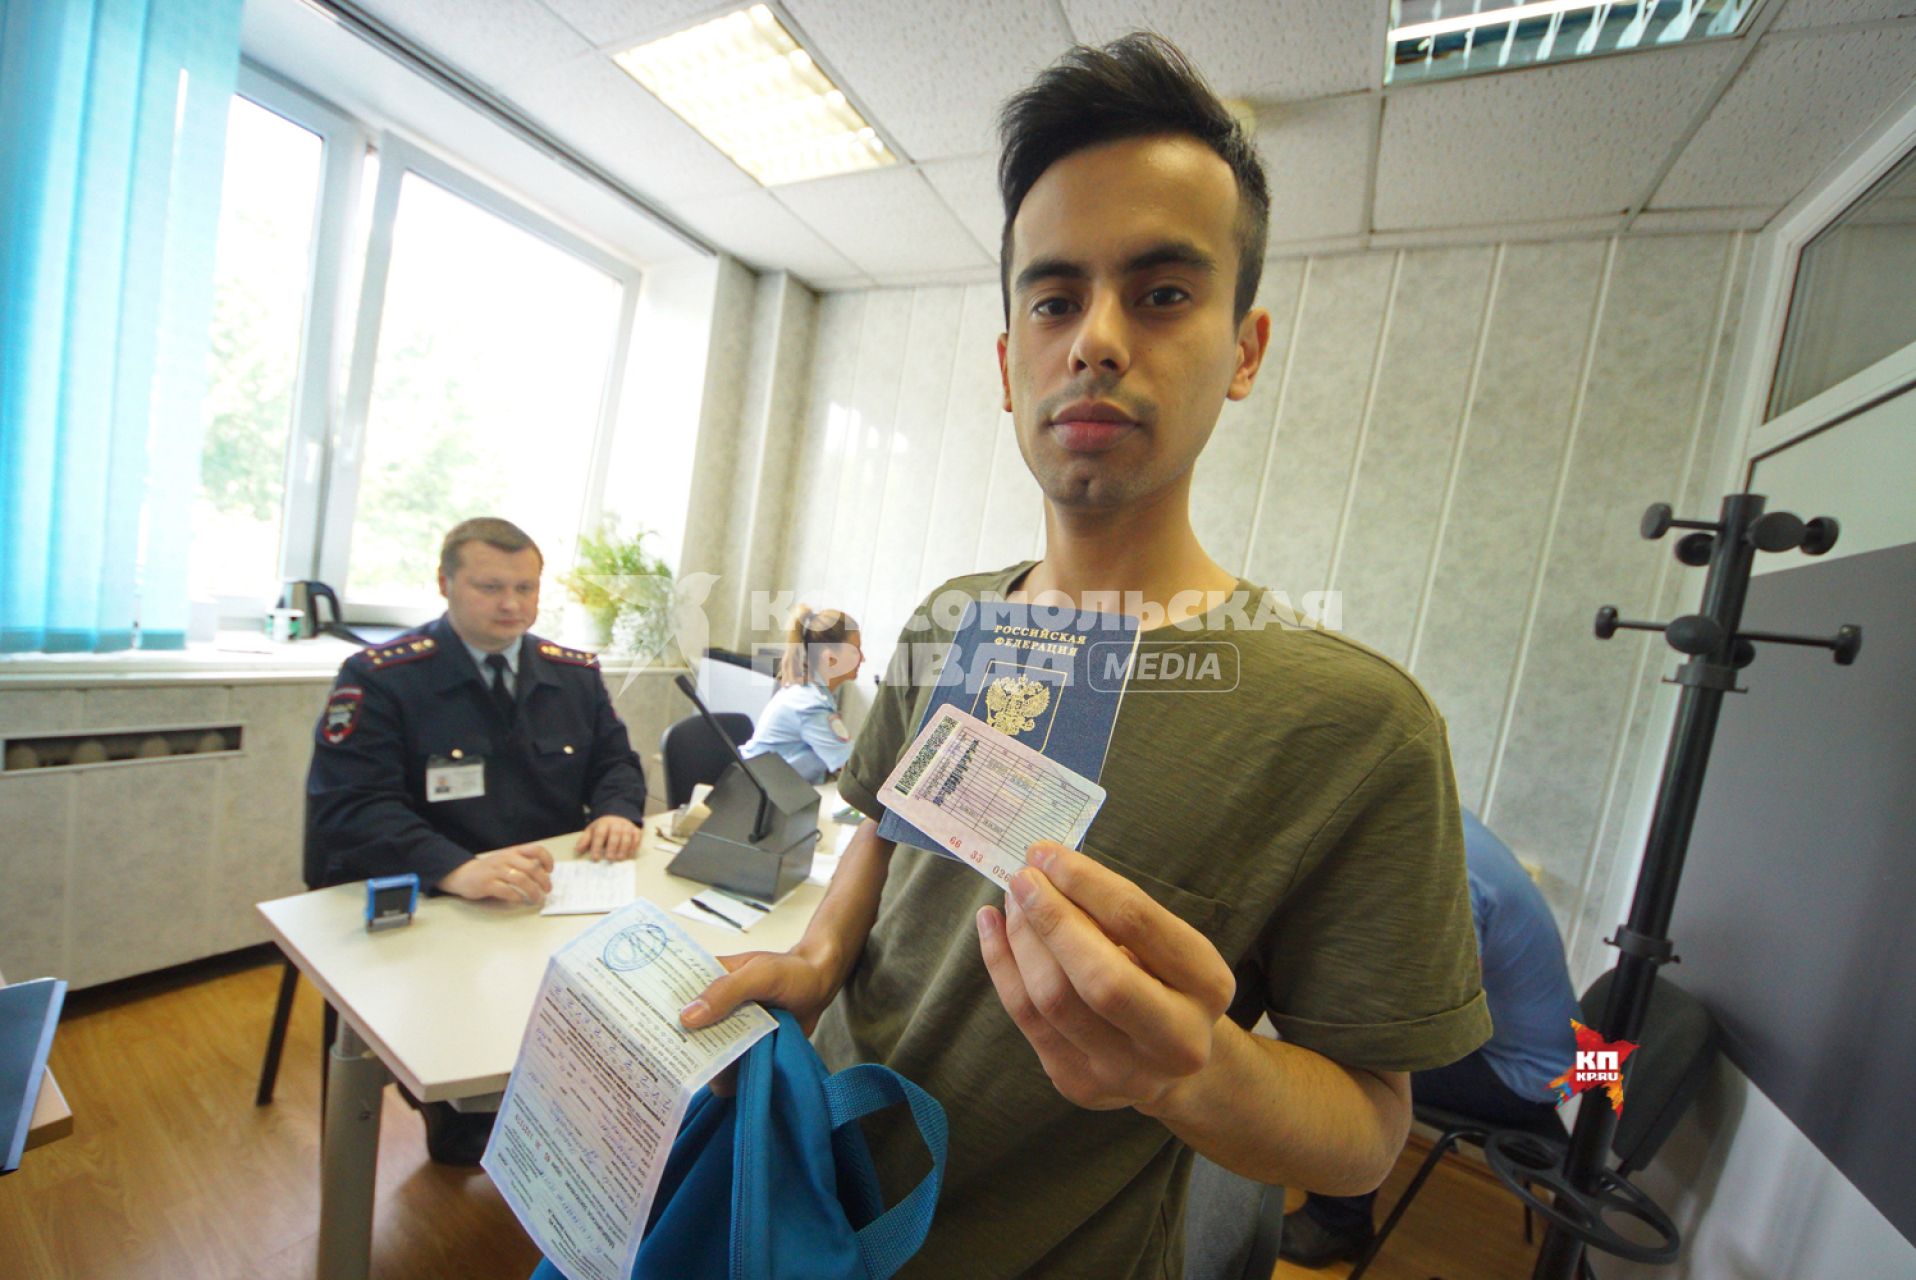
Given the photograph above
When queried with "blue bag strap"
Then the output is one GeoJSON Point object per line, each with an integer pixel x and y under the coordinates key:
{"type": "Point", "coordinates": [895, 1235]}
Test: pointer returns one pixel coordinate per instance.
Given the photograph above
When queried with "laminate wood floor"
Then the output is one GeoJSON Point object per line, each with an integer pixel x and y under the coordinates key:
{"type": "Point", "coordinates": [1463, 1226]}
{"type": "Point", "coordinates": [171, 1171]}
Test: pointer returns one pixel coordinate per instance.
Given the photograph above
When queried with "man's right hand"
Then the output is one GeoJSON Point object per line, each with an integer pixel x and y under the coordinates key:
{"type": "Point", "coordinates": [520, 875]}
{"type": "Point", "coordinates": [801, 981]}
{"type": "Point", "coordinates": [805, 979]}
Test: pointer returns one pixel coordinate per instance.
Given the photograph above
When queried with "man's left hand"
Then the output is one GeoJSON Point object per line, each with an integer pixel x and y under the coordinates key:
{"type": "Point", "coordinates": [1120, 998]}
{"type": "Point", "coordinates": [611, 838]}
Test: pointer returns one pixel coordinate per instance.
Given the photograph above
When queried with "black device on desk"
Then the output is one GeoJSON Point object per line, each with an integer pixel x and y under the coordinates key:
{"type": "Point", "coordinates": [764, 824]}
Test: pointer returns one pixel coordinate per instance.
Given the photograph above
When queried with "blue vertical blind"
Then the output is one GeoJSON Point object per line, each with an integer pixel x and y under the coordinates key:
{"type": "Point", "coordinates": [112, 133]}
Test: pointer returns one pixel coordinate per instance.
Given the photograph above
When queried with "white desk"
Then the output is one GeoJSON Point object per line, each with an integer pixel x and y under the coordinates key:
{"type": "Point", "coordinates": [441, 1005]}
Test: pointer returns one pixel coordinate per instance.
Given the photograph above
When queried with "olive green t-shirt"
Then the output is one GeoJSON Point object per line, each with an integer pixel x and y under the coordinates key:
{"type": "Point", "coordinates": [1306, 821]}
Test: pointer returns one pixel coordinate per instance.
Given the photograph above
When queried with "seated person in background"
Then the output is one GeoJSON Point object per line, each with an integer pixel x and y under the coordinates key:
{"type": "Point", "coordinates": [801, 723]}
{"type": "Point", "coordinates": [470, 734]}
{"type": "Point", "coordinates": [1507, 1081]}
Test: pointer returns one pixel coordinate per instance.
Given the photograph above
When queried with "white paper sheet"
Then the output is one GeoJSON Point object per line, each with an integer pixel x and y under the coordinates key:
{"type": "Point", "coordinates": [985, 797]}
{"type": "Point", "coordinates": [581, 887]}
{"type": "Point", "coordinates": [604, 1076]}
{"type": "Point", "coordinates": [721, 910]}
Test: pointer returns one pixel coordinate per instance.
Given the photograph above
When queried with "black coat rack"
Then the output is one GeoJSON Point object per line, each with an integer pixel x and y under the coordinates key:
{"type": "Point", "coordinates": [1584, 1189]}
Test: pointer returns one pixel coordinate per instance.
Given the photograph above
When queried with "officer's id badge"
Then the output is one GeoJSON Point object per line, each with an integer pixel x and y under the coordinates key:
{"type": "Point", "coordinates": [455, 779]}
{"type": "Point", "coordinates": [839, 730]}
{"type": "Point", "coordinates": [342, 714]}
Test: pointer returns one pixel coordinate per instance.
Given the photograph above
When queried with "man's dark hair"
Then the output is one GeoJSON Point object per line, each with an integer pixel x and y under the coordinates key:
{"type": "Point", "coordinates": [491, 530]}
{"type": "Point", "coordinates": [1134, 87]}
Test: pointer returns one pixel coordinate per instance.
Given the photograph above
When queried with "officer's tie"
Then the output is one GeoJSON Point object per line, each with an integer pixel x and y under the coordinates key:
{"type": "Point", "coordinates": [500, 693]}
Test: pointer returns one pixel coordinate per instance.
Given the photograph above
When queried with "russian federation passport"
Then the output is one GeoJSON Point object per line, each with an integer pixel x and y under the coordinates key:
{"type": "Point", "coordinates": [1050, 678]}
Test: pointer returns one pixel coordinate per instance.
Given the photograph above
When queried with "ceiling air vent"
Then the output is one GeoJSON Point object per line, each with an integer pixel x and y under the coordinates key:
{"type": "Point", "coordinates": [1440, 39]}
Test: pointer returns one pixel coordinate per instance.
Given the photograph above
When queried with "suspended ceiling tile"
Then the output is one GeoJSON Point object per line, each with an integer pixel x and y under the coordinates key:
{"type": "Point", "coordinates": [933, 75]}
{"type": "Point", "coordinates": [597, 108]}
{"type": "Point", "coordinates": [1582, 139]}
{"type": "Point", "coordinates": [620, 24]}
{"type": "Point", "coordinates": [1317, 159]}
{"type": "Point", "coordinates": [1825, 13]}
{"type": "Point", "coordinates": [889, 222]}
{"type": "Point", "coordinates": [755, 228]}
{"type": "Point", "coordinates": [1254, 48]}
{"type": "Point", "coordinates": [490, 43]}
{"type": "Point", "coordinates": [1796, 105]}
{"type": "Point", "coordinates": [969, 187]}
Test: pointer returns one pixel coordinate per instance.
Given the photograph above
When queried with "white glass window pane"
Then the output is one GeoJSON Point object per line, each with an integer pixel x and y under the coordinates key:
{"type": "Point", "coordinates": [268, 200]}
{"type": "Point", "coordinates": [486, 394]}
{"type": "Point", "coordinates": [1853, 303]}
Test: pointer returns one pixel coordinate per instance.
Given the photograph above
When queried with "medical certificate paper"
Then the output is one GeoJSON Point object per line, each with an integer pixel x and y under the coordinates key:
{"type": "Point", "coordinates": [604, 1077]}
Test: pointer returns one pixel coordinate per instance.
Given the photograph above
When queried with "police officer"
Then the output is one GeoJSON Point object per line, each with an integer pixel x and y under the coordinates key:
{"type": "Point", "coordinates": [801, 723]}
{"type": "Point", "coordinates": [470, 734]}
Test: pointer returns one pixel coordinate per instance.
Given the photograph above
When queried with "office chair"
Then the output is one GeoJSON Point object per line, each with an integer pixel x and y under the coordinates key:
{"type": "Point", "coordinates": [692, 755]}
{"type": "Point", "coordinates": [762, 659]}
{"type": "Point", "coordinates": [1661, 1080]}
{"type": "Point", "coordinates": [1232, 1226]}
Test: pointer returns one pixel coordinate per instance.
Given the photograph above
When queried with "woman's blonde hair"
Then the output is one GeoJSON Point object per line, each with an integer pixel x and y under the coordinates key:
{"type": "Point", "coordinates": [807, 633]}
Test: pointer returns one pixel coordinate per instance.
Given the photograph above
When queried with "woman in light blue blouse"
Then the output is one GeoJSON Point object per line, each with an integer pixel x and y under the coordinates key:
{"type": "Point", "coordinates": [801, 723]}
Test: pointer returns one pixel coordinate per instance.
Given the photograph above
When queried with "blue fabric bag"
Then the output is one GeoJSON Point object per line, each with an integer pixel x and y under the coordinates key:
{"type": "Point", "coordinates": [777, 1183]}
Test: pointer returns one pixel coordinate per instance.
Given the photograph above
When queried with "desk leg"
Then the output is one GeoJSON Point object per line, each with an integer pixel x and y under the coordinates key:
{"type": "Point", "coordinates": [349, 1157]}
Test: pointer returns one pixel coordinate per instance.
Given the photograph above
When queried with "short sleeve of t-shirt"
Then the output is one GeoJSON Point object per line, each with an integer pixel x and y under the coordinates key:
{"type": "Point", "coordinates": [1378, 921]}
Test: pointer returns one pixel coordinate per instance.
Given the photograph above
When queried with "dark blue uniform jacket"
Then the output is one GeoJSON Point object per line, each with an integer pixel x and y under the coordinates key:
{"type": "Point", "coordinates": [420, 700]}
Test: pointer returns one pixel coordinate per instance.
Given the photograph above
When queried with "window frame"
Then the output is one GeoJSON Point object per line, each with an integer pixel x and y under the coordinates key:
{"type": "Point", "coordinates": [399, 158]}
{"type": "Point", "coordinates": [350, 259]}
{"type": "Point", "coordinates": [342, 153]}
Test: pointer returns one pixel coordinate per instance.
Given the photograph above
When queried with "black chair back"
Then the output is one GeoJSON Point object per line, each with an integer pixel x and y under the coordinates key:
{"type": "Point", "coordinates": [692, 755]}
{"type": "Point", "coordinates": [1675, 1051]}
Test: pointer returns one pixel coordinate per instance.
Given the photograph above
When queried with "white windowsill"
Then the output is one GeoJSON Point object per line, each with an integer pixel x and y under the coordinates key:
{"type": "Point", "coordinates": [233, 655]}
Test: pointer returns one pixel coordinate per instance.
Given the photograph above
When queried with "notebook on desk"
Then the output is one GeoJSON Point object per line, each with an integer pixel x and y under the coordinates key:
{"type": "Point", "coordinates": [28, 1013]}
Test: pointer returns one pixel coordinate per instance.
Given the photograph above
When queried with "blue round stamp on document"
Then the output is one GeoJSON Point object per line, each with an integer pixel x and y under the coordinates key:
{"type": "Point", "coordinates": [633, 948]}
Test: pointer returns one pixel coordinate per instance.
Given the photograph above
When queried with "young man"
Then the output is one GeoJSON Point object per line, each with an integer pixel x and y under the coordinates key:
{"type": "Point", "coordinates": [1290, 847]}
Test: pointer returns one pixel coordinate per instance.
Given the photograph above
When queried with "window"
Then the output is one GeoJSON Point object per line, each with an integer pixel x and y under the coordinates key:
{"type": "Point", "coordinates": [493, 350]}
{"type": "Point", "coordinates": [1852, 304]}
{"type": "Point", "coordinates": [269, 202]}
{"type": "Point", "coordinates": [397, 346]}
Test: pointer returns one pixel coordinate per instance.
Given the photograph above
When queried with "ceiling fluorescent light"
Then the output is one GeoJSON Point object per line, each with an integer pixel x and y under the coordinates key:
{"type": "Point", "coordinates": [754, 93]}
{"type": "Point", "coordinates": [1499, 17]}
{"type": "Point", "coordinates": [1427, 43]}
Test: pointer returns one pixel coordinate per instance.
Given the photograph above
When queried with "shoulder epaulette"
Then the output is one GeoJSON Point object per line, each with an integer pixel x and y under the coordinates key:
{"type": "Point", "coordinates": [400, 651]}
{"type": "Point", "coordinates": [571, 657]}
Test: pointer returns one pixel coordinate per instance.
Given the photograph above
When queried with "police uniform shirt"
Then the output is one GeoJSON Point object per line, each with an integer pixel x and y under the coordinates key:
{"type": "Point", "coordinates": [801, 724]}
{"type": "Point", "coordinates": [416, 766]}
{"type": "Point", "coordinates": [510, 653]}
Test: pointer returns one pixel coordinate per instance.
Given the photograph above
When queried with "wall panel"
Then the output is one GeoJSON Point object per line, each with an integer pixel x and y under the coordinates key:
{"type": "Point", "coordinates": [1470, 635]}
{"type": "Point", "coordinates": [1325, 397]}
{"type": "Point", "coordinates": [1397, 497]}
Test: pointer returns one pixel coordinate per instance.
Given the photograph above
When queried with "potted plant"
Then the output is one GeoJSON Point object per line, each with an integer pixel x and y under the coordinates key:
{"type": "Point", "coordinates": [625, 590]}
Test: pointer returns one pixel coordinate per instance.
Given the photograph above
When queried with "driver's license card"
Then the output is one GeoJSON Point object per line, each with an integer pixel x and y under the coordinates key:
{"type": "Point", "coordinates": [985, 797]}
